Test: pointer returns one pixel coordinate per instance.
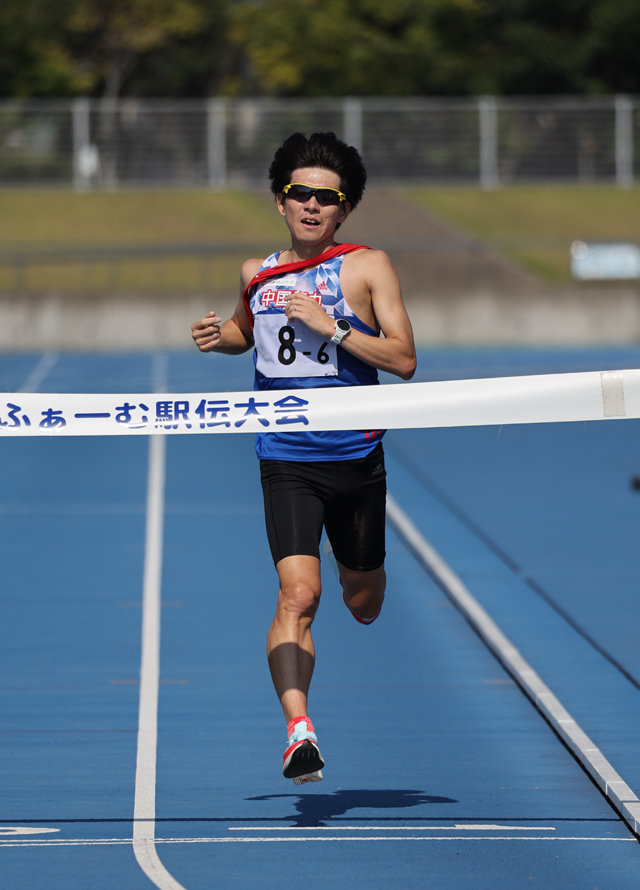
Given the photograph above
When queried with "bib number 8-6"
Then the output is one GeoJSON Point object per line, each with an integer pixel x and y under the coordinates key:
{"type": "Point", "coordinates": [287, 351]}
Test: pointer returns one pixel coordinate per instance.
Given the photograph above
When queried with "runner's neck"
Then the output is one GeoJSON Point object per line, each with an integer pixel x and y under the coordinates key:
{"type": "Point", "coordinates": [299, 253]}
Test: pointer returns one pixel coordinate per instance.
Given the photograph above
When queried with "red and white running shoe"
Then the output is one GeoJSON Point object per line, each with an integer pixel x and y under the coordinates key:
{"type": "Point", "coordinates": [302, 760]}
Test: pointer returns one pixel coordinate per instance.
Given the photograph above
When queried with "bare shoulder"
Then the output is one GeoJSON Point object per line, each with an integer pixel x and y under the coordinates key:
{"type": "Point", "coordinates": [249, 269]}
{"type": "Point", "coordinates": [369, 268]}
{"type": "Point", "coordinates": [369, 282]}
{"type": "Point", "coordinates": [368, 258]}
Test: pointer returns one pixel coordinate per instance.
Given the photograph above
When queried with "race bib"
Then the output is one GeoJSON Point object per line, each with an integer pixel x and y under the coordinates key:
{"type": "Point", "coordinates": [290, 349]}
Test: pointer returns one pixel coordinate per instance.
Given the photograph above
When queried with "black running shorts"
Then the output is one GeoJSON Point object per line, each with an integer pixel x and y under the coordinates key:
{"type": "Point", "coordinates": [347, 497]}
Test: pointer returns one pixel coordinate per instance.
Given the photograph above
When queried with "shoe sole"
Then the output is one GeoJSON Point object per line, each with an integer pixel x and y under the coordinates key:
{"type": "Point", "coordinates": [311, 777]}
{"type": "Point", "coordinates": [303, 762]}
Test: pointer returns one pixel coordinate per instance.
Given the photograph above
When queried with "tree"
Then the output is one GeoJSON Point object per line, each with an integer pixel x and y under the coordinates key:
{"type": "Point", "coordinates": [115, 33]}
{"type": "Point", "coordinates": [438, 47]}
{"type": "Point", "coordinates": [318, 47]}
{"type": "Point", "coordinates": [338, 47]}
{"type": "Point", "coordinates": [612, 46]}
{"type": "Point", "coordinates": [34, 60]}
{"type": "Point", "coordinates": [199, 64]}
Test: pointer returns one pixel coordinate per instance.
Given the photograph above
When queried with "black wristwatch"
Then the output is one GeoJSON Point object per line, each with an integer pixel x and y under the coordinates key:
{"type": "Point", "coordinates": [342, 329]}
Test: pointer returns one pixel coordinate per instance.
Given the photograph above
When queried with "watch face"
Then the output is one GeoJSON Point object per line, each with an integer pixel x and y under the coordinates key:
{"type": "Point", "coordinates": [343, 325]}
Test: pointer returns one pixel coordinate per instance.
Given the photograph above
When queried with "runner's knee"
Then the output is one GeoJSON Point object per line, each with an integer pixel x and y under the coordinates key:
{"type": "Point", "coordinates": [300, 597]}
{"type": "Point", "coordinates": [366, 585]}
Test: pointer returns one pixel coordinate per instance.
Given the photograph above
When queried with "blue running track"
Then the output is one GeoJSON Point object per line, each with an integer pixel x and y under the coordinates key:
{"type": "Point", "coordinates": [440, 773]}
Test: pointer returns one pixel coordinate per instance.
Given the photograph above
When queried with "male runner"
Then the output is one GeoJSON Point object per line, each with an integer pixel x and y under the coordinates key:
{"type": "Point", "coordinates": [330, 322]}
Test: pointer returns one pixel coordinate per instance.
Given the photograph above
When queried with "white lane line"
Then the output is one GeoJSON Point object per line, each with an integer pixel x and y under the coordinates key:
{"type": "Point", "coordinates": [14, 830]}
{"type": "Point", "coordinates": [38, 374]}
{"type": "Point", "coordinates": [297, 839]}
{"type": "Point", "coordinates": [615, 789]}
{"type": "Point", "coordinates": [144, 813]}
{"type": "Point", "coordinates": [455, 827]}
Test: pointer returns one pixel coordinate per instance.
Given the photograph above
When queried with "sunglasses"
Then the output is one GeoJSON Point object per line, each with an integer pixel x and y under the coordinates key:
{"type": "Point", "coordinates": [324, 196]}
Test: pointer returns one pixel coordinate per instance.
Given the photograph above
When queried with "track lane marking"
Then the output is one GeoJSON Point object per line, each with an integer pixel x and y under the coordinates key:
{"type": "Point", "coordinates": [294, 839]}
{"type": "Point", "coordinates": [144, 814]}
{"type": "Point", "coordinates": [455, 827]}
{"type": "Point", "coordinates": [40, 372]}
{"type": "Point", "coordinates": [615, 789]}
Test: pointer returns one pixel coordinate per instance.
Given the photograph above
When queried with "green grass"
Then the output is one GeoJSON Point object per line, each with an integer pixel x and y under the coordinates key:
{"type": "Point", "coordinates": [129, 220]}
{"type": "Point", "coordinates": [135, 218]}
{"type": "Point", "coordinates": [535, 226]}
{"type": "Point", "coordinates": [532, 226]}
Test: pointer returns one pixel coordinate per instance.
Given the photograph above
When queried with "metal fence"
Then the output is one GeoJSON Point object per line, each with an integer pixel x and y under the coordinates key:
{"type": "Point", "coordinates": [98, 144]}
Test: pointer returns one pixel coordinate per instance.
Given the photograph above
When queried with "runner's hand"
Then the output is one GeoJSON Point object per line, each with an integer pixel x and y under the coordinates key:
{"type": "Point", "coordinates": [302, 306]}
{"type": "Point", "coordinates": [206, 332]}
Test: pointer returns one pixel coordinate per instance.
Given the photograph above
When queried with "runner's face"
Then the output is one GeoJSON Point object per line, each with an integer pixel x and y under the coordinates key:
{"type": "Point", "coordinates": [308, 220]}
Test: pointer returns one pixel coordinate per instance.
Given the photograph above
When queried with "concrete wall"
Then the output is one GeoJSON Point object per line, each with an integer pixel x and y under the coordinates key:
{"type": "Point", "coordinates": [458, 291]}
{"type": "Point", "coordinates": [484, 317]}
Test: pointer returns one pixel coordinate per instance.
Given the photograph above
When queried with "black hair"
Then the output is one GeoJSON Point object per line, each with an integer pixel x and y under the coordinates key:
{"type": "Point", "coordinates": [319, 150]}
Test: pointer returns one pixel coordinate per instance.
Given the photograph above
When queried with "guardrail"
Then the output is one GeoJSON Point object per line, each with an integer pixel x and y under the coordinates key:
{"type": "Point", "coordinates": [219, 143]}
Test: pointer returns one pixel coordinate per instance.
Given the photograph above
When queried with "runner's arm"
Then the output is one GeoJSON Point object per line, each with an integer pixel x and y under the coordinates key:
{"type": "Point", "coordinates": [372, 274]}
{"type": "Point", "coordinates": [234, 336]}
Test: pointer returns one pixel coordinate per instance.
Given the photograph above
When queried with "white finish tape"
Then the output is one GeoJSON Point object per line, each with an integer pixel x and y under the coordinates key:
{"type": "Point", "coordinates": [546, 398]}
{"type": "Point", "coordinates": [612, 394]}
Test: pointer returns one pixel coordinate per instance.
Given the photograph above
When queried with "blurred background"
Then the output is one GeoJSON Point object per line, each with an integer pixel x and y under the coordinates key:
{"type": "Point", "coordinates": [501, 140]}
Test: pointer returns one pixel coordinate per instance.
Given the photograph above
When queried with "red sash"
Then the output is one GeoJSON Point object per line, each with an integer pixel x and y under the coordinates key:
{"type": "Point", "coordinates": [271, 272]}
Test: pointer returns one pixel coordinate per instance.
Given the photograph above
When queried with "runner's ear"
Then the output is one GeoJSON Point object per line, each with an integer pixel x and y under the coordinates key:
{"type": "Point", "coordinates": [345, 207]}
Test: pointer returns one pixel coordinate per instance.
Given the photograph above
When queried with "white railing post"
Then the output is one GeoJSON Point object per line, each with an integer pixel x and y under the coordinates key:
{"type": "Point", "coordinates": [352, 122]}
{"type": "Point", "coordinates": [216, 143]}
{"type": "Point", "coordinates": [81, 141]}
{"type": "Point", "coordinates": [488, 130]}
{"type": "Point", "coordinates": [624, 141]}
